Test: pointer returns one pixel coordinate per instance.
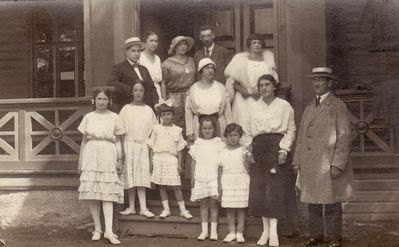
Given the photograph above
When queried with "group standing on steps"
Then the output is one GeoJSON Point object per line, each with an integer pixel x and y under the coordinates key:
{"type": "Point", "coordinates": [218, 116]}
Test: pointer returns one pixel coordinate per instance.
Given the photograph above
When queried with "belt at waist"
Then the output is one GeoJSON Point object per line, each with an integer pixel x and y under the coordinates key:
{"type": "Point", "coordinates": [99, 139]}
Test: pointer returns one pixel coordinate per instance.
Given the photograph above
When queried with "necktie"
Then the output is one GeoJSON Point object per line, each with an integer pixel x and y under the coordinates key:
{"type": "Point", "coordinates": [317, 101]}
{"type": "Point", "coordinates": [207, 51]}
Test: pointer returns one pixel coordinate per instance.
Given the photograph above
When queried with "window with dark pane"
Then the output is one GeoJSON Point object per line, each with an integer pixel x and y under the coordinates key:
{"type": "Point", "coordinates": [58, 62]}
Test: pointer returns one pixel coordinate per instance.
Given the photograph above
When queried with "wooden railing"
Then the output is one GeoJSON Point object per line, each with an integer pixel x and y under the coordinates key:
{"type": "Point", "coordinates": [41, 134]}
{"type": "Point", "coordinates": [370, 134]}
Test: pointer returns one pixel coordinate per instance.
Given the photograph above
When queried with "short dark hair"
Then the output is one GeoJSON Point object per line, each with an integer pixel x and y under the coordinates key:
{"type": "Point", "coordinates": [215, 124]}
{"type": "Point", "coordinates": [105, 91]}
{"type": "Point", "coordinates": [233, 127]}
{"type": "Point", "coordinates": [255, 36]}
{"type": "Point", "coordinates": [205, 27]}
{"type": "Point", "coordinates": [148, 34]}
{"type": "Point", "coordinates": [270, 78]}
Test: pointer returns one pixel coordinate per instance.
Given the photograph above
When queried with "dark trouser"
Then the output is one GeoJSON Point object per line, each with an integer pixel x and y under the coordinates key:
{"type": "Point", "coordinates": [333, 220]}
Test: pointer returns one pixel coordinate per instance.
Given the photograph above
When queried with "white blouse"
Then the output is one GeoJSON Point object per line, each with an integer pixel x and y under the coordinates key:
{"type": "Point", "coordinates": [277, 117]}
{"type": "Point", "coordinates": [208, 100]}
{"type": "Point", "coordinates": [155, 70]}
{"type": "Point", "coordinates": [255, 70]}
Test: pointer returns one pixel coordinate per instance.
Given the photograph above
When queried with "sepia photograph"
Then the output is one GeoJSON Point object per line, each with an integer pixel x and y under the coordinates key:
{"type": "Point", "coordinates": [164, 123]}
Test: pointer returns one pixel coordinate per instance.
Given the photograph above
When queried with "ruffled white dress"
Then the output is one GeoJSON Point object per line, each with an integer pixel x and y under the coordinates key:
{"type": "Point", "coordinates": [99, 179]}
{"type": "Point", "coordinates": [166, 142]}
{"type": "Point", "coordinates": [138, 120]}
{"type": "Point", "coordinates": [206, 153]}
{"type": "Point", "coordinates": [235, 178]}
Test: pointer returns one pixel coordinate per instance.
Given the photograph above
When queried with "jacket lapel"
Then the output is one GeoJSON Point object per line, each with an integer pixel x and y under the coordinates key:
{"type": "Point", "coordinates": [315, 111]}
{"type": "Point", "coordinates": [130, 68]}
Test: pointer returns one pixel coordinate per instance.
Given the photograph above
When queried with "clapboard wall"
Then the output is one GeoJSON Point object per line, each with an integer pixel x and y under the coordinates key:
{"type": "Point", "coordinates": [14, 51]}
{"type": "Point", "coordinates": [363, 40]}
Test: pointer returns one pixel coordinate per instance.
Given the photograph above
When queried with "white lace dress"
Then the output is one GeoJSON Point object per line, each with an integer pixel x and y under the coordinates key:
{"type": "Point", "coordinates": [99, 179]}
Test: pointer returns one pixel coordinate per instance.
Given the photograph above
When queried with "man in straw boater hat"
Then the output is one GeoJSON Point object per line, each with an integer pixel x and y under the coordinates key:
{"type": "Point", "coordinates": [124, 75]}
{"type": "Point", "coordinates": [321, 160]}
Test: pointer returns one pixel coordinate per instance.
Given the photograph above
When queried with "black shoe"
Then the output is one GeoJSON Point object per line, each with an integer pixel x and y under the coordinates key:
{"type": "Point", "coordinates": [313, 242]}
{"type": "Point", "coordinates": [334, 243]}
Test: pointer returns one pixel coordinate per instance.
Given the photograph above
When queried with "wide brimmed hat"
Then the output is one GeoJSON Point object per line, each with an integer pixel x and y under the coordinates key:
{"type": "Point", "coordinates": [204, 62]}
{"type": "Point", "coordinates": [321, 71]}
{"type": "Point", "coordinates": [134, 41]}
{"type": "Point", "coordinates": [176, 40]}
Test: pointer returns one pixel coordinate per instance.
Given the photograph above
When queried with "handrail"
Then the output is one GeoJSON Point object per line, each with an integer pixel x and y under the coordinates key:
{"type": "Point", "coordinates": [32, 102]}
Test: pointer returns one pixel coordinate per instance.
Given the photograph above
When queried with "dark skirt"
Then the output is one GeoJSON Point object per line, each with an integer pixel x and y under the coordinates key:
{"type": "Point", "coordinates": [270, 195]}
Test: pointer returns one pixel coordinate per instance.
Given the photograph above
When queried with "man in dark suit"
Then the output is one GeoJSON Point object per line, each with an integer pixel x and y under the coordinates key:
{"type": "Point", "coordinates": [220, 55]}
{"type": "Point", "coordinates": [124, 75]}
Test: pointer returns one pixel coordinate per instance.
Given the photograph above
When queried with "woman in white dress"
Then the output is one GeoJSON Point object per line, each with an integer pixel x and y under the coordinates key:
{"type": "Point", "coordinates": [243, 73]}
{"type": "Point", "coordinates": [206, 97]}
{"type": "Point", "coordinates": [138, 119]}
{"type": "Point", "coordinates": [151, 61]}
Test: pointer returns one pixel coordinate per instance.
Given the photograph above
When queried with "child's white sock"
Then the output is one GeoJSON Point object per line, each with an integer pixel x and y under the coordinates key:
{"type": "Point", "coordinates": [273, 226]}
{"type": "Point", "coordinates": [165, 205]}
{"type": "Point", "coordinates": [181, 205]}
{"type": "Point", "coordinates": [214, 228]}
{"type": "Point", "coordinates": [204, 227]}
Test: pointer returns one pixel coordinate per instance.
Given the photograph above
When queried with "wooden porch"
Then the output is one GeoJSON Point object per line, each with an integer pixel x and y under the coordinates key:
{"type": "Point", "coordinates": [39, 142]}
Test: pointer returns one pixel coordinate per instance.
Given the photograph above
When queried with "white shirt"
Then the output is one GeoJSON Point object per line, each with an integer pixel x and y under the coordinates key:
{"type": "Point", "coordinates": [136, 70]}
{"type": "Point", "coordinates": [154, 67]}
{"type": "Point", "coordinates": [208, 100]}
{"type": "Point", "coordinates": [277, 117]}
{"type": "Point", "coordinates": [210, 49]}
{"type": "Point", "coordinates": [324, 96]}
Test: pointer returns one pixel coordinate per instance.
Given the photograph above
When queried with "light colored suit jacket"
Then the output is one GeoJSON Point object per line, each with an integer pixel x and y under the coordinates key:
{"type": "Point", "coordinates": [324, 140]}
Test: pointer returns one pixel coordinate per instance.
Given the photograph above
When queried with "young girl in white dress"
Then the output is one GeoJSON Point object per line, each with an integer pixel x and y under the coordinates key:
{"type": "Point", "coordinates": [138, 119]}
{"type": "Point", "coordinates": [99, 161]}
{"type": "Point", "coordinates": [234, 162]}
{"type": "Point", "coordinates": [166, 144]}
{"type": "Point", "coordinates": [205, 159]}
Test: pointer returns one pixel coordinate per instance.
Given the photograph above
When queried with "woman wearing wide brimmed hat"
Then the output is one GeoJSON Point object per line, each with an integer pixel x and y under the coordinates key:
{"type": "Point", "coordinates": [178, 74]}
{"type": "Point", "coordinates": [207, 97]}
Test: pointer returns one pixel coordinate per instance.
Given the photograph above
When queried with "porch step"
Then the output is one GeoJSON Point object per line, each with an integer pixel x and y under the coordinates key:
{"type": "Point", "coordinates": [377, 195]}
{"type": "Point", "coordinates": [24, 181]}
{"type": "Point", "coordinates": [375, 161]}
{"type": "Point", "coordinates": [175, 226]}
{"type": "Point", "coordinates": [377, 185]}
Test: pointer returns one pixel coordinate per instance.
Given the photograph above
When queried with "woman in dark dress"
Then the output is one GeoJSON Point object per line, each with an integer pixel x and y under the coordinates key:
{"type": "Point", "coordinates": [269, 132]}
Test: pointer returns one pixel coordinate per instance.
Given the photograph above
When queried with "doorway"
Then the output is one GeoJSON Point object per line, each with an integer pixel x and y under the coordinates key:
{"type": "Point", "coordinates": [181, 17]}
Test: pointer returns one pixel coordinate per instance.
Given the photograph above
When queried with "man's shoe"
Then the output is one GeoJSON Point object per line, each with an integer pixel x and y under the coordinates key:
{"type": "Point", "coordinates": [313, 242]}
{"type": "Point", "coordinates": [334, 243]}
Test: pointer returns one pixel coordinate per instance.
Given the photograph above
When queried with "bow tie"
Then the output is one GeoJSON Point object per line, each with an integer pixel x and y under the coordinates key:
{"type": "Point", "coordinates": [134, 65]}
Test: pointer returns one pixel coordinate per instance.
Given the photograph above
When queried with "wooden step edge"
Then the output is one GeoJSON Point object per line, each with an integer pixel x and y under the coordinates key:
{"type": "Point", "coordinates": [35, 188]}
{"type": "Point", "coordinates": [38, 172]}
{"type": "Point", "coordinates": [172, 203]}
{"type": "Point", "coordinates": [179, 219]}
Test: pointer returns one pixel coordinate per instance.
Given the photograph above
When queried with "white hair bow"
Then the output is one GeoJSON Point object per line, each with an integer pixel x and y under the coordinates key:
{"type": "Point", "coordinates": [161, 102]}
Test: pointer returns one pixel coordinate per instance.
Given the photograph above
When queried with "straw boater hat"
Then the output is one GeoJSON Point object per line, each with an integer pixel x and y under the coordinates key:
{"type": "Point", "coordinates": [134, 41]}
{"type": "Point", "coordinates": [204, 62]}
{"type": "Point", "coordinates": [176, 40]}
{"type": "Point", "coordinates": [321, 71]}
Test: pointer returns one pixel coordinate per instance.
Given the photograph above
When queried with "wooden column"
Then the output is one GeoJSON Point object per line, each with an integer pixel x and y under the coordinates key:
{"type": "Point", "coordinates": [107, 23]}
{"type": "Point", "coordinates": [305, 43]}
